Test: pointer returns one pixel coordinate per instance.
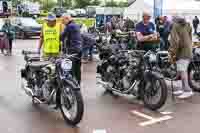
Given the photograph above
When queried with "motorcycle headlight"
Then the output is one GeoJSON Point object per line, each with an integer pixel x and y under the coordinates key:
{"type": "Point", "coordinates": [152, 58]}
{"type": "Point", "coordinates": [66, 65]}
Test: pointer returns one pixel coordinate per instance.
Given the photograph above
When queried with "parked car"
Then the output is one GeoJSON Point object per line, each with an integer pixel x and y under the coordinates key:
{"type": "Point", "coordinates": [58, 11]}
{"type": "Point", "coordinates": [80, 12]}
{"type": "Point", "coordinates": [26, 27]}
{"type": "Point", "coordinates": [72, 13]}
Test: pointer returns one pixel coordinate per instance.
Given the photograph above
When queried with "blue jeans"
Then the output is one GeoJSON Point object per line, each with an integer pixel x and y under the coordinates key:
{"type": "Point", "coordinates": [87, 51]}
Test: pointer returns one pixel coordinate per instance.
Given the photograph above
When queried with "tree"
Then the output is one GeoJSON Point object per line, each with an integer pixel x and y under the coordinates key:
{"type": "Point", "coordinates": [48, 4]}
{"type": "Point", "coordinates": [95, 2]}
{"type": "Point", "coordinates": [111, 3]}
{"type": "Point", "coordinates": [67, 3]}
{"type": "Point", "coordinates": [82, 3]}
{"type": "Point", "coordinates": [123, 4]}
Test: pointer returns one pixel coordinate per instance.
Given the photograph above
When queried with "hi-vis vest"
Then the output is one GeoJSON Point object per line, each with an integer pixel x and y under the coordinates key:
{"type": "Point", "coordinates": [51, 36]}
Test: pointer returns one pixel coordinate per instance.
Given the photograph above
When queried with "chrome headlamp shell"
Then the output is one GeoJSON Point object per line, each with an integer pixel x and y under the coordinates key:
{"type": "Point", "coordinates": [66, 65]}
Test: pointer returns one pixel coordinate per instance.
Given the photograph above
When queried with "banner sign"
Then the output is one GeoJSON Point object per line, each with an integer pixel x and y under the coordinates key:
{"type": "Point", "coordinates": [158, 5]}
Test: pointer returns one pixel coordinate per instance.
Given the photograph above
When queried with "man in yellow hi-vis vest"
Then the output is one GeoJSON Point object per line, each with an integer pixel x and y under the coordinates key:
{"type": "Point", "coordinates": [50, 37]}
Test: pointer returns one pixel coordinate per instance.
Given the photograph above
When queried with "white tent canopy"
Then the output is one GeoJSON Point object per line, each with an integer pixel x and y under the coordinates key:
{"type": "Point", "coordinates": [170, 7]}
{"type": "Point", "coordinates": [135, 10]}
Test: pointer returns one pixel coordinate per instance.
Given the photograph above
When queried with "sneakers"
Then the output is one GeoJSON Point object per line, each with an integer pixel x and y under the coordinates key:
{"type": "Point", "coordinates": [186, 95]}
{"type": "Point", "coordinates": [178, 92]}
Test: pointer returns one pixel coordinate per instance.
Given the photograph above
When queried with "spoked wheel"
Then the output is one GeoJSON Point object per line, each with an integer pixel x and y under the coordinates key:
{"type": "Point", "coordinates": [194, 76]}
{"type": "Point", "coordinates": [71, 107]}
{"type": "Point", "coordinates": [155, 94]}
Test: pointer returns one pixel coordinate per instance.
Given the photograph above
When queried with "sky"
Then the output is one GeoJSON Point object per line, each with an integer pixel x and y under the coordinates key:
{"type": "Point", "coordinates": [167, 4]}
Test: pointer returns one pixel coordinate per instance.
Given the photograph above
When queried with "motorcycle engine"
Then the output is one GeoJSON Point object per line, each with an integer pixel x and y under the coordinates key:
{"type": "Point", "coordinates": [46, 90]}
{"type": "Point", "coordinates": [131, 73]}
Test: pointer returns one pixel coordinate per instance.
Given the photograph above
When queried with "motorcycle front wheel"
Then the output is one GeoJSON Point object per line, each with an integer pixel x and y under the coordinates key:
{"type": "Point", "coordinates": [154, 93]}
{"type": "Point", "coordinates": [71, 105]}
{"type": "Point", "coordinates": [194, 76]}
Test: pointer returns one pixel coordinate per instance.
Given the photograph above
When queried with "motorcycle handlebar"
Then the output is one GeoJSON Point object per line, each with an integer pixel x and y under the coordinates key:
{"type": "Point", "coordinates": [25, 52]}
{"type": "Point", "coordinates": [132, 51]}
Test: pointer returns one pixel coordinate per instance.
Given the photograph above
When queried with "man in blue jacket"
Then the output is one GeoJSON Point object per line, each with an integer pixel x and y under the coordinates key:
{"type": "Point", "coordinates": [72, 43]}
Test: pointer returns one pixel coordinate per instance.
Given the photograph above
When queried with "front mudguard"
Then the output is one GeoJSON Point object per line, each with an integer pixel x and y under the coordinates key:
{"type": "Point", "coordinates": [150, 75]}
{"type": "Point", "coordinates": [66, 82]}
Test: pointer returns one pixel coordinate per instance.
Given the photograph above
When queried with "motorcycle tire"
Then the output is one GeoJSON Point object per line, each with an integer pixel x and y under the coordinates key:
{"type": "Point", "coordinates": [144, 92]}
{"type": "Point", "coordinates": [193, 68]}
{"type": "Point", "coordinates": [80, 107]}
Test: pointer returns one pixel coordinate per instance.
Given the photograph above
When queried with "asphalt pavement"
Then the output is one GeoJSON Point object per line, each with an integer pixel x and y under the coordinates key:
{"type": "Point", "coordinates": [104, 113]}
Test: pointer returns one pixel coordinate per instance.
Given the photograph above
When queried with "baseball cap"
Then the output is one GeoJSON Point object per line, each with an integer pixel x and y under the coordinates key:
{"type": "Point", "coordinates": [51, 17]}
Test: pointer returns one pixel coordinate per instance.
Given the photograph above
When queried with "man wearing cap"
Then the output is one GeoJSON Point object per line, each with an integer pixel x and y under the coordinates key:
{"type": "Point", "coordinates": [145, 32]}
{"type": "Point", "coordinates": [72, 41]}
{"type": "Point", "coordinates": [50, 37]}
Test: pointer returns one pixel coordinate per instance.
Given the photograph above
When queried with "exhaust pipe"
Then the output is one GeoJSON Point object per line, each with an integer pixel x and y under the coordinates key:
{"type": "Point", "coordinates": [27, 90]}
{"type": "Point", "coordinates": [106, 85]}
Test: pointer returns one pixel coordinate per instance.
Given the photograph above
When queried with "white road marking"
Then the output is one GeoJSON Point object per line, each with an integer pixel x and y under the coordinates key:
{"type": "Point", "coordinates": [99, 131]}
{"type": "Point", "coordinates": [142, 115]}
{"type": "Point", "coordinates": [166, 112]}
{"type": "Point", "coordinates": [154, 121]}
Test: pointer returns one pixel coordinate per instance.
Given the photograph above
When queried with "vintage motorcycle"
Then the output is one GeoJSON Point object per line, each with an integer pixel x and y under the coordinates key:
{"type": "Point", "coordinates": [169, 70]}
{"type": "Point", "coordinates": [130, 72]}
{"type": "Point", "coordinates": [51, 82]}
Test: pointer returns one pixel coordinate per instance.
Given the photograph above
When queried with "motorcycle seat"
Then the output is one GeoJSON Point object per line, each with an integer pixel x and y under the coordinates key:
{"type": "Point", "coordinates": [39, 64]}
{"type": "Point", "coordinates": [32, 58]}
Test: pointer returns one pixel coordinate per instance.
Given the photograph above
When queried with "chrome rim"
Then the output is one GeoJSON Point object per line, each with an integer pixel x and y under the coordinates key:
{"type": "Point", "coordinates": [69, 104]}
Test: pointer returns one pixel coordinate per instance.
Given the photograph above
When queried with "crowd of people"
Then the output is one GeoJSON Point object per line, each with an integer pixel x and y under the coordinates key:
{"type": "Point", "coordinates": [174, 36]}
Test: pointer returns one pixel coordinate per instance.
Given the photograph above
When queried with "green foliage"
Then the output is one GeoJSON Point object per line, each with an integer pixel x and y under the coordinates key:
{"type": "Point", "coordinates": [113, 3]}
{"type": "Point", "coordinates": [67, 3]}
{"type": "Point", "coordinates": [95, 2]}
{"type": "Point", "coordinates": [82, 3]}
{"type": "Point", "coordinates": [48, 4]}
{"type": "Point", "coordinates": [123, 4]}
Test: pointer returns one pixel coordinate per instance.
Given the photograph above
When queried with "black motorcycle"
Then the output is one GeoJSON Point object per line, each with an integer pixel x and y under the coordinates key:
{"type": "Point", "coordinates": [169, 70]}
{"type": "Point", "coordinates": [130, 72]}
{"type": "Point", "coordinates": [51, 82]}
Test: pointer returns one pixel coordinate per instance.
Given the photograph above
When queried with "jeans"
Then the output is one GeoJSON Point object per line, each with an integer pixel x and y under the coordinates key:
{"type": "Point", "coordinates": [10, 45]}
{"type": "Point", "coordinates": [87, 51]}
{"type": "Point", "coordinates": [76, 66]}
